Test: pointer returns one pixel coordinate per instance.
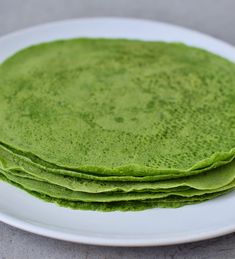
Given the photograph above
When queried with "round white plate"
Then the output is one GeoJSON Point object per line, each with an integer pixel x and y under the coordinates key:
{"type": "Point", "coordinates": [146, 228]}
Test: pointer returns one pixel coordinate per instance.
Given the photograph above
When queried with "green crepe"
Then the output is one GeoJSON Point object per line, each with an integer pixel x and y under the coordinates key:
{"type": "Point", "coordinates": [169, 202]}
{"type": "Point", "coordinates": [119, 107]}
{"type": "Point", "coordinates": [19, 158]}
{"type": "Point", "coordinates": [210, 180]}
{"type": "Point", "coordinates": [104, 124]}
{"type": "Point", "coordinates": [64, 193]}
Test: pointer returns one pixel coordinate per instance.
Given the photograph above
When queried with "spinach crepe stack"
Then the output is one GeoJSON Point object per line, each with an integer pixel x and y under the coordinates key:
{"type": "Point", "coordinates": [104, 124]}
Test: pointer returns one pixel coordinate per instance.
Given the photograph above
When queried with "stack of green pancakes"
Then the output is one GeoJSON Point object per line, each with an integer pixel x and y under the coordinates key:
{"type": "Point", "coordinates": [108, 124]}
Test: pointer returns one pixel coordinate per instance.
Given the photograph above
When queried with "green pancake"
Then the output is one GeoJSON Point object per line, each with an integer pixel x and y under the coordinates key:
{"type": "Point", "coordinates": [210, 180]}
{"type": "Point", "coordinates": [18, 158]}
{"type": "Point", "coordinates": [168, 202]}
{"type": "Point", "coordinates": [24, 174]}
{"type": "Point", "coordinates": [64, 193]}
{"type": "Point", "coordinates": [104, 124]}
{"type": "Point", "coordinates": [119, 107]}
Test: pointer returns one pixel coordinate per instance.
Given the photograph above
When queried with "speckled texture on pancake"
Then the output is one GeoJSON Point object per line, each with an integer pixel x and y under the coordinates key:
{"type": "Point", "coordinates": [18, 158]}
{"type": "Point", "coordinates": [119, 107]}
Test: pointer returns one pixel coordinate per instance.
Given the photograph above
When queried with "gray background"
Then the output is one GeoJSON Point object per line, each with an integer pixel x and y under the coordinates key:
{"type": "Point", "coordinates": [209, 16]}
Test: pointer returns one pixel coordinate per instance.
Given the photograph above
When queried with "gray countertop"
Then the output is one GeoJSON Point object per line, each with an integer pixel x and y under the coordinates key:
{"type": "Point", "coordinates": [209, 16]}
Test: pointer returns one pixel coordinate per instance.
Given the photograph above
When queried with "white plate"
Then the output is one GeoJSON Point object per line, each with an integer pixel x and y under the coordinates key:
{"type": "Point", "coordinates": [146, 228]}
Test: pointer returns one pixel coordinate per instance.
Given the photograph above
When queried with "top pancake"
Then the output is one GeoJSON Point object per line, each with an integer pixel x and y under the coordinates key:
{"type": "Point", "coordinates": [119, 106]}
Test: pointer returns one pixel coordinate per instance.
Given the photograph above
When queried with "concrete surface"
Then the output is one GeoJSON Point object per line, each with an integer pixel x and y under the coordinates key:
{"type": "Point", "coordinates": [209, 16]}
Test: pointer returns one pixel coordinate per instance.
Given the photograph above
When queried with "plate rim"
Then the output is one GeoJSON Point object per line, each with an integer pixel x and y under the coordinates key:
{"type": "Point", "coordinates": [102, 241]}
